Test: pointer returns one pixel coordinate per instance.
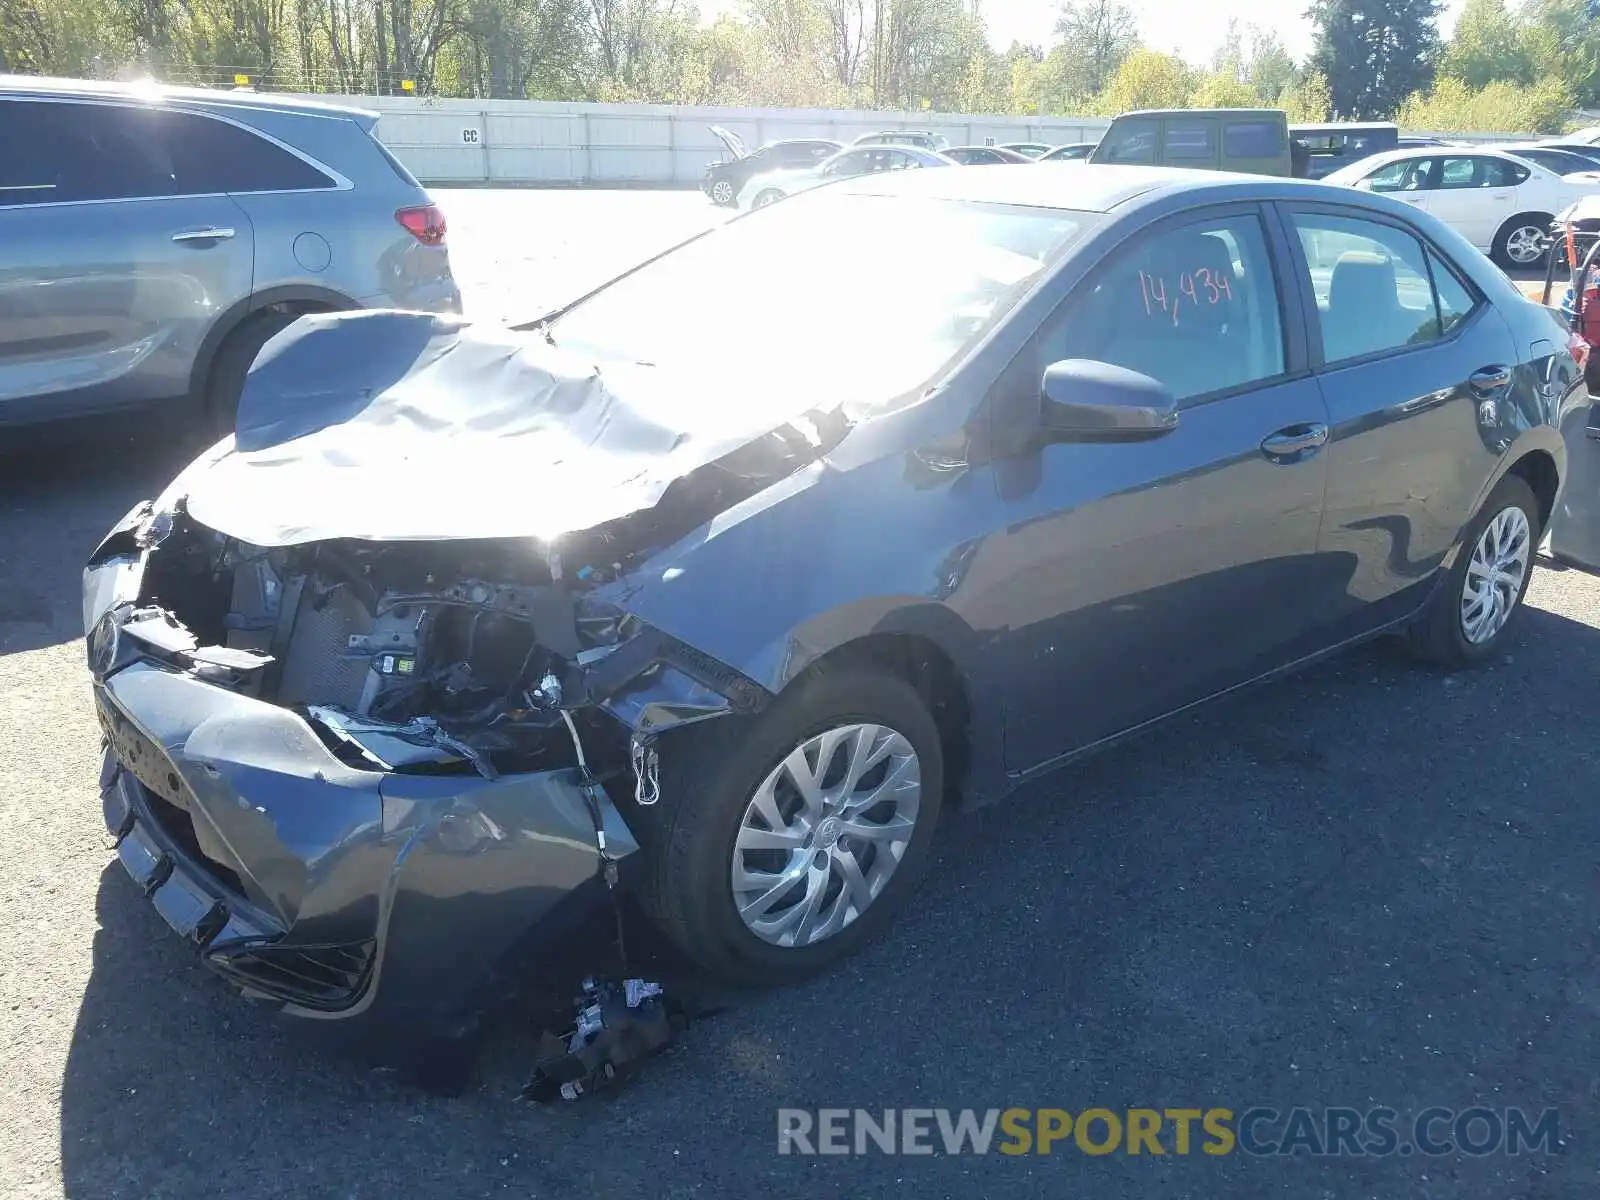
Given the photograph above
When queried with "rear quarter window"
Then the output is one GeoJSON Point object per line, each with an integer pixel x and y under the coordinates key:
{"type": "Point", "coordinates": [217, 156]}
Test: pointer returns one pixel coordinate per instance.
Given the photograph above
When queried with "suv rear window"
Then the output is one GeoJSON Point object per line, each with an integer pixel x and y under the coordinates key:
{"type": "Point", "coordinates": [1252, 139]}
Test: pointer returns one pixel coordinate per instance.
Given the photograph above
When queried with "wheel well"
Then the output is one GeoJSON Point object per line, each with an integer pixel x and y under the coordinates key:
{"type": "Point", "coordinates": [923, 663]}
{"type": "Point", "coordinates": [1538, 470]}
{"type": "Point", "coordinates": [1540, 218]}
{"type": "Point", "coordinates": [295, 299]}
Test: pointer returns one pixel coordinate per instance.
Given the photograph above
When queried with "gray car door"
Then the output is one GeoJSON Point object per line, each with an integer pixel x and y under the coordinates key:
{"type": "Point", "coordinates": [110, 274]}
{"type": "Point", "coordinates": [1409, 354]}
{"type": "Point", "coordinates": [1140, 577]}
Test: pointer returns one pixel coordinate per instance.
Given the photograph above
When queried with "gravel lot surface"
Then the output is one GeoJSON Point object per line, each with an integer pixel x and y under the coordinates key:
{"type": "Point", "coordinates": [1368, 885]}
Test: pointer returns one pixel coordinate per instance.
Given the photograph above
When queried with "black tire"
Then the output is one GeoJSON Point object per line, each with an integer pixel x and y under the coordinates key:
{"type": "Point", "coordinates": [232, 364]}
{"type": "Point", "coordinates": [730, 194]}
{"type": "Point", "coordinates": [1438, 635]}
{"type": "Point", "coordinates": [707, 781]}
{"type": "Point", "coordinates": [1500, 248]}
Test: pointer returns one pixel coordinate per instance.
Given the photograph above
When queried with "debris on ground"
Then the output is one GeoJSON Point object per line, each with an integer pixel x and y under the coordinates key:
{"type": "Point", "coordinates": [615, 1029]}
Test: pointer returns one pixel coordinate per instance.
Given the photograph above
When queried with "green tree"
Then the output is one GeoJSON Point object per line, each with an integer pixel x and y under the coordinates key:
{"type": "Point", "coordinates": [1374, 53]}
{"type": "Point", "coordinates": [1148, 79]}
{"type": "Point", "coordinates": [1224, 89]}
{"type": "Point", "coordinates": [1489, 45]}
{"type": "Point", "coordinates": [1269, 69]}
{"type": "Point", "coordinates": [1562, 39]}
{"type": "Point", "coordinates": [1309, 101]}
{"type": "Point", "coordinates": [1452, 107]}
{"type": "Point", "coordinates": [1095, 38]}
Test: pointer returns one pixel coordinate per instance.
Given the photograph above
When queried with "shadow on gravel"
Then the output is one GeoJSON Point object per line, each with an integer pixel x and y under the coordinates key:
{"type": "Point", "coordinates": [1368, 885]}
{"type": "Point", "coordinates": [61, 489]}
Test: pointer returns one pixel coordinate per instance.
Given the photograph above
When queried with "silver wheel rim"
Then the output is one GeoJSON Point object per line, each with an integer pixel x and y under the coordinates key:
{"type": "Point", "coordinates": [824, 833]}
{"type": "Point", "coordinates": [1525, 244]}
{"type": "Point", "coordinates": [722, 191]}
{"type": "Point", "coordinates": [1495, 575]}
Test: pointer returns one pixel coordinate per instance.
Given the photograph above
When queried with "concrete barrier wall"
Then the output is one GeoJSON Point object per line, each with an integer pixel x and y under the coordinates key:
{"type": "Point", "coordinates": [529, 141]}
{"type": "Point", "coordinates": [538, 142]}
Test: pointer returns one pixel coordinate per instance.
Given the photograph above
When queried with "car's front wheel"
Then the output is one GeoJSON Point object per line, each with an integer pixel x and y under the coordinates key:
{"type": "Point", "coordinates": [770, 196]}
{"type": "Point", "coordinates": [784, 842]}
{"type": "Point", "coordinates": [722, 192]}
{"type": "Point", "coordinates": [1467, 618]}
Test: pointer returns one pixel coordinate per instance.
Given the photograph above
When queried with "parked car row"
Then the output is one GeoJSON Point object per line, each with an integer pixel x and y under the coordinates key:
{"type": "Point", "coordinates": [1501, 199]}
{"type": "Point", "coordinates": [754, 178]}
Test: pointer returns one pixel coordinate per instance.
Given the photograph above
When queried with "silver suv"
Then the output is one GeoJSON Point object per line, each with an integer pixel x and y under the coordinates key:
{"type": "Point", "coordinates": [153, 239]}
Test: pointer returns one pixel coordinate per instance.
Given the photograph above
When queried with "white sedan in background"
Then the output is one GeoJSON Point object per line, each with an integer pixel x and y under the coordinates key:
{"type": "Point", "coordinates": [1501, 203]}
{"type": "Point", "coordinates": [763, 189]}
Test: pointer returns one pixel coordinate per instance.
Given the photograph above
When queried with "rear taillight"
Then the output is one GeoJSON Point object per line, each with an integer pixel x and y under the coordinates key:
{"type": "Point", "coordinates": [1580, 351]}
{"type": "Point", "coordinates": [424, 222]}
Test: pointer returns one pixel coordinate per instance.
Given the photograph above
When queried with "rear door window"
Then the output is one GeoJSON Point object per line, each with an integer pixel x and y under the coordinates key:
{"type": "Point", "coordinates": [1374, 287]}
{"type": "Point", "coordinates": [1479, 171]}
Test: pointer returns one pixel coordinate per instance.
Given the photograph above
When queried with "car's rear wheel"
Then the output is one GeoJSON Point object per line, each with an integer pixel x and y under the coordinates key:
{"type": "Point", "coordinates": [786, 841]}
{"type": "Point", "coordinates": [1467, 618]}
{"type": "Point", "coordinates": [770, 196]}
{"type": "Point", "coordinates": [1523, 241]}
{"type": "Point", "coordinates": [722, 192]}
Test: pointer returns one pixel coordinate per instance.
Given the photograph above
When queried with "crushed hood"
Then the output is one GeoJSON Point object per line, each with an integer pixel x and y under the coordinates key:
{"type": "Point", "coordinates": [394, 426]}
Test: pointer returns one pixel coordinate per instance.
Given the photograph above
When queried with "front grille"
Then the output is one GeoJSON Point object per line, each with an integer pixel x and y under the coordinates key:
{"type": "Point", "coordinates": [327, 978]}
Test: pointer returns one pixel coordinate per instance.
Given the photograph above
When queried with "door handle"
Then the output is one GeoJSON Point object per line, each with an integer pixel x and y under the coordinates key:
{"type": "Point", "coordinates": [214, 234]}
{"type": "Point", "coordinates": [1294, 443]}
{"type": "Point", "coordinates": [1489, 379]}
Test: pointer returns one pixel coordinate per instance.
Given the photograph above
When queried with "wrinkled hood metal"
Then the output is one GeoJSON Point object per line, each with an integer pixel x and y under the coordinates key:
{"type": "Point", "coordinates": [399, 426]}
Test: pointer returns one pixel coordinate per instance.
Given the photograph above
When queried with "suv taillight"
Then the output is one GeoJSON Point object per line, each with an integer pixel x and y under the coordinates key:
{"type": "Point", "coordinates": [424, 222]}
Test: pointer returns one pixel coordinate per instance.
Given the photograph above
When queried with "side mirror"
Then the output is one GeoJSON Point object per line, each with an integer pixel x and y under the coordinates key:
{"type": "Point", "coordinates": [1088, 401]}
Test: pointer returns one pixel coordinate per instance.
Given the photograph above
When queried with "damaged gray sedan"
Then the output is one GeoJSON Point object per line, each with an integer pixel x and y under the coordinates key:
{"type": "Point", "coordinates": [718, 584]}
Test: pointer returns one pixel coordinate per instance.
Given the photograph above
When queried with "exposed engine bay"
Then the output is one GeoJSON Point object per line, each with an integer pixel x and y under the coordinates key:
{"type": "Point", "coordinates": [405, 656]}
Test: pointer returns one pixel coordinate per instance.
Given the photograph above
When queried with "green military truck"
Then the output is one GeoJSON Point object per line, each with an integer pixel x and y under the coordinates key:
{"type": "Point", "coordinates": [1251, 140]}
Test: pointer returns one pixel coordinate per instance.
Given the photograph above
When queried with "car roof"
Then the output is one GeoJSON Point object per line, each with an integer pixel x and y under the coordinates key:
{"type": "Point", "coordinates": [1102, 187]}
{"type": "Point", "coordinates": [148, 91]}
{"type": "Point", "coordinates": [1202, 112]}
